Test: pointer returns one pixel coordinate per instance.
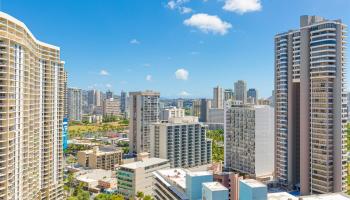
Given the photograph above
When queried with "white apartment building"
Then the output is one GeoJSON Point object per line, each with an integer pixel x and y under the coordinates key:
{"type": "Point", "coordinates": [144, 110]}
{"type": "Point", "coordinates": [182, 141]}
{"type": "Point", "coordinates": [167, 113]}
{"type": "Point", "coordinates": [249, 140]}
{"type": "Point", "coordinates": [32, 101]}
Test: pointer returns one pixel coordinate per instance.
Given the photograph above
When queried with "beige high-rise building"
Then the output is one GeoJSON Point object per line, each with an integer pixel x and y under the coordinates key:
{"type": "Point", "coordinates": [32, 93]}
{"type": "Point", "coordinates": [144, 110]}
{"type": "Point", "coordinates": [196, 107]}
{"type": "Point", "coordinates": [310, 106]}
{"type": "Point", "coordinates": [218, 98]}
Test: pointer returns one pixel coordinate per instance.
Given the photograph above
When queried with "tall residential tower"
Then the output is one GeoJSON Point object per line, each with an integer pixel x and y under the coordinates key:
{"type": "Point", "coordinates": [32, 95]}
{"type": "Point", "coordinates": [144, 110]}
{"type": "Point", "coordinates": [75, 104]}
{"type": "Point", "coordinates": [218, 98]}
{"type": "Point", "coordinates": [240, 91]}
{"type": "Point", "coordinates": [310, 112]}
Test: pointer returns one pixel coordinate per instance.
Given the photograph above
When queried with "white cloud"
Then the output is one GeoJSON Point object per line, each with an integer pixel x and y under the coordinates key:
{"type": "Point", "coordinates": [242, 6]}
{"type": "Point", "coordinates": [181, 74]}
{"type": "Point", "coordinates": [104, 73]}
{"type": "Point", "coordinates": [108, 85]}
{"type": "Point", "coordinates": [194, 52]}
{"type": "Point", "coordinates": [147, 65]}
{"type": "Point", "coordinates": [208, 23]}
{"type": "Point", "coordinates": [179, 5]}
{"type": "Point", "coordinates": [172, 5]}
{"type": "Point", "coordinates": [184, 94]}
{"type": "Point", "coordinates": [185, 10]}
{"type": "Point", "coordinates": [134, 41]}
{"type": "Point", "coordinates": [148, 78]}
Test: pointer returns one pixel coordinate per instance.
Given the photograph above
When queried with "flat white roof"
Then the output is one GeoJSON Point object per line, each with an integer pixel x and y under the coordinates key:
{"type": "Point", "coordinates": [199, 173]}
{"type": "Point", "coordinates": [214, 186]}
{"type": "Point", "coordinates": [144, 163]}
{"type": "Point", "coordinates": [253, 183]}
{"type": "Point", "coordinates": [175, 176]}
{"type": "Point", "coordinates": [281, 196]}
{"type": "Point", "coordinates": [93, 175]}
{"type": "Point", "coordinates": [331, 196]}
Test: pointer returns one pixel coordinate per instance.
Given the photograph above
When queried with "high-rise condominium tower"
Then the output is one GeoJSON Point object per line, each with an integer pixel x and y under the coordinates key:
{"type": "Point", "coordinates": [75, 104]}
{"type": "Point", "coordinates": [144, 110]}
{"type": "Point", "coordinates": [241, 91]}
{"type": "Point", "coordinates": [32, 93]}
{"type": "Point", "coordinates": [310, 101]}
{"type": "Point", "coordinates": [123, 102]}
{"type": "Point", "coordinates": [205, 105]}
{"type": "Point", "coordinates": [218, 99]}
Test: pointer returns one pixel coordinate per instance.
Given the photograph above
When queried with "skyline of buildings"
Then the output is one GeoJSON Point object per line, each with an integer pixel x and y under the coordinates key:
{"type": "Point", "coordinates": [301, 143]}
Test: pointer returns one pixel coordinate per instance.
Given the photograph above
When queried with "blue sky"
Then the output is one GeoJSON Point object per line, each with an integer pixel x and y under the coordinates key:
{"type": "Point", "coordinates": [141, 44]}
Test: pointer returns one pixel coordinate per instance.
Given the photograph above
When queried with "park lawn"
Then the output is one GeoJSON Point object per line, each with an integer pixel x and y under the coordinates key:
{"type": "Point", "coordinates": [78, 129]}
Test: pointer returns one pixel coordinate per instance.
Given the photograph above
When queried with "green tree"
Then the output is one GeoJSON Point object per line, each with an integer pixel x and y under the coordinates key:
{"type": "Point", "coordinates": [148, 197]}
{"type": "Point", "coordinates": [140, 195]}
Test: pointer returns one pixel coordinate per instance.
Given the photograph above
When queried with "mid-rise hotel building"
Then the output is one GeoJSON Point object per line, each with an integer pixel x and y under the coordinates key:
{"type": "Point", "coordinates": [310, 106]}
{"type": "Point", "coordinates": [182, 141]}
{"type": "Point", "coordinates": [249, 140]}
{"type": "Point", "coordinates": [32, 93]}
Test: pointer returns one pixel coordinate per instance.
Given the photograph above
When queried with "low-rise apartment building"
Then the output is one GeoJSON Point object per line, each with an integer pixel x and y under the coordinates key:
{"type": "Point", "coordinates": [138, 176]}
{"type": "Point", "coordinates": [104, 157]}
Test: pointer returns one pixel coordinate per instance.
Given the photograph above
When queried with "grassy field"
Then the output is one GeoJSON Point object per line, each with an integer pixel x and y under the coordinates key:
{"type": "Point", "coordinates": [77, 130]}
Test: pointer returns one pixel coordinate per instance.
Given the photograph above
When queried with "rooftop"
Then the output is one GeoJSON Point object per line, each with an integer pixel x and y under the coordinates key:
{"type": "Point", "coordinates": [214, 186]}
{"type": "Point", "coordinates": [144, 163]}
{"type": "Point", "coordinates": [281, 196]}
{"type": "Point", "coordinates": [331, 196]}
{"type": "Point", "coordinates": [253, 183]}
{"type": "Point", "coordinates": [175, 176]}
{"type": "Point", "coordinates": [93, 175]}
{"type": "Point", "coordinates": [199, 173]}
